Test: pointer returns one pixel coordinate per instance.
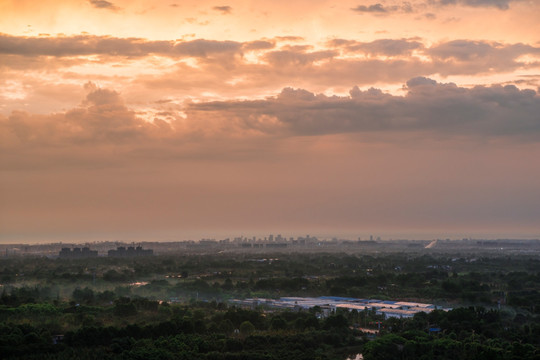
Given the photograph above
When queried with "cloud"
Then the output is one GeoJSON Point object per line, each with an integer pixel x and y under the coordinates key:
{"type": "Point", "coordinates": [388, 47]}
{"type": "Point", "coordinates": [103, 123]}
{"type": "Point", "coordinates": [473, 57]}
{"type": "Point", "coordinates": [407, 7]}
{"type": "Point", "coordinates": [467, 50]}
{"type": "Point", "coordinates": [225, 9]}
{"type": "Point", "coordinates": [344, 63]}
{"type": "Point", "coordinates": [203, 48]}
{"type": "Point", "coordinates": [107, 45]}
{"type": "Point", "coordinates": [103, 4]}
{"type": "Point", "coordinates": [316, 70]}
{"type": "Point", "coordinates": [428, 106]}
{"type": "Point", "coordinates": [103, 119]}
{"type": "Point", "coordinates": [227, 69]}
{"type": "Point", "coordinates": [289, 38]}
{"type": "Point", "coordinates": [326, 160]}
{"type": "Point", "coordinates": [500, 4]}
{"type": "Point", "coordinates": [258, 45]}
{"type": "Point", "coordinates": [104, 131]}
{"type": "Point", "coordinates": [297, 58]}
{"type": "Point", "coordinates": [376, 8]}
{"type": "Point", "coordinates": [445, 58]}
{"type": "Point", "coordinates": [379, 8]}
{"type": "Point", "coordinates": [81, 45]}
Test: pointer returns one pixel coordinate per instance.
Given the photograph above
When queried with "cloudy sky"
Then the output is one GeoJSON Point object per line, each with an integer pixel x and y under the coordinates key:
{"type": "Point", "coordinates": [163, 120]}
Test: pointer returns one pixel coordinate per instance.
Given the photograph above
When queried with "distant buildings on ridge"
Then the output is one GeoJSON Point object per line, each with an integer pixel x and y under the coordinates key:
{"type": "Point", "coordinates": [269, 243]}
{"type": "Point", "coordinates": [130, 252]}
{"type": "Point", "coordinates": [77, 253]}
{"type": "Point", "coordinates": [121, 251]}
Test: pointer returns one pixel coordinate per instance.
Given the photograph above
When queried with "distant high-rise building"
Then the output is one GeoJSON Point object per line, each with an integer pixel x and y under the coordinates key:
{"type": "Point", "coordinates": [77, 253]}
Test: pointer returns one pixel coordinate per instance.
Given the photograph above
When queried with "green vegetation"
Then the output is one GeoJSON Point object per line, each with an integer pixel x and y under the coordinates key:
{"type": "Point", "coordinates": [462, 333]}
{"type": "Point", "coordinates": [176, 307]}
{"type": "Point", "coordinates": [144, 329]}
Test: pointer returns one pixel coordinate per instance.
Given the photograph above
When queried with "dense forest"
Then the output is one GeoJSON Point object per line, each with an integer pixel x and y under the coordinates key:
{"type": "Point", "coordinates": [176, 307]}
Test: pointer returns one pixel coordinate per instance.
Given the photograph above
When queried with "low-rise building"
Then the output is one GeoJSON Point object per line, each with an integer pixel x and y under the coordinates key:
{"type": "Point", "coordinates": [331, 303]}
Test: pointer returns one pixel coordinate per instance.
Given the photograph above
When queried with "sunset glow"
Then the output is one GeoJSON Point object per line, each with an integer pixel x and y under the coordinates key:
{"type": "Point", "coordinates": [165, 120]}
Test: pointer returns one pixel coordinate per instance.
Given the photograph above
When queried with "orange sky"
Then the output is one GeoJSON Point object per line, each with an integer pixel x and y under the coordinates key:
{"type": "Point", "coordinates": [166, 120]}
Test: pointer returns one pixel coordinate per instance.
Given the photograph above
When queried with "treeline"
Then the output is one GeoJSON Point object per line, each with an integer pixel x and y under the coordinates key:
{"type": "Point", "coordinates": [516, 289]}
{"type": "Point", "coordinates": [198, 331]}
{"type": "Point", "coordinates": [176, 307]}
{"type": "Point", "coordinates": [221, 266]}
{"type": "Point", "coordinates": [490, 281]}
{"type": "Point", "coordinates": [463, 333]}
{"type": "Point", "coordinates": [215, 331]}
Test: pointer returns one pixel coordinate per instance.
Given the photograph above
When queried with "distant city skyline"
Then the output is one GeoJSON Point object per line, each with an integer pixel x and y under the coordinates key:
{"type": "Point", "coordinates": [138, 237]}
{"type": "Point", "coordinates": [166, 121]}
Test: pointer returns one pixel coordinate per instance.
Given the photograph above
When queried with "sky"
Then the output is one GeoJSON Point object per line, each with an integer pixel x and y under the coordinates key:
{"type": "Point", "coordinates": [140, 120]}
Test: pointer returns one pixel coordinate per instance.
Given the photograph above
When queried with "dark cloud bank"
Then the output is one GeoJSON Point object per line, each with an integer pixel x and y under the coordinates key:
{"type": "Point", "coordinates": [430, 107]}
{"type": "Point", "coordinates": [326, 65]}
{"type": "Point", "coordinates": [427, 106]}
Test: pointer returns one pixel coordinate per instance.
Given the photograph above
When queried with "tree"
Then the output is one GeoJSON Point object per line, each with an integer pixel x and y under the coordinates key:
{"type": "Point", "coordinates": [278, 323]}
{"type": "Point", "coordinates": [84, 296]}
{"type": "Point", "coordinates": [246, 328]}
{"type": "Point", "coordinates": [125, 309]}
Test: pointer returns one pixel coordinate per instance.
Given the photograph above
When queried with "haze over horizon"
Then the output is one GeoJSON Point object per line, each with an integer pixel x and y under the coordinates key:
{"type": "Point", "coordinates": [166, 120]}
{"type": "Point", "coordinates": [181, 236]}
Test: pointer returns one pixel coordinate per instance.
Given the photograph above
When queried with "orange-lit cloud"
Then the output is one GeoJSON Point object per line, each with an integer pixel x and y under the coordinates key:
{"type": "Point", "coordinates": [103, 116]}
{"type": "Point", "coordinates": [428, 106]}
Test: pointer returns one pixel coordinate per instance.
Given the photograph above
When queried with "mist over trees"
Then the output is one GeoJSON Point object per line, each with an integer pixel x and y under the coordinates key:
{"type": "Point", "coordinates": [176, 307]}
